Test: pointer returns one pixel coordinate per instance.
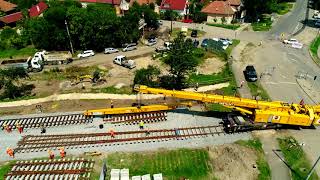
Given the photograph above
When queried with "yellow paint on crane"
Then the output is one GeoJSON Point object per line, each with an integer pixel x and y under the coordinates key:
{"type": "Point", "coordinates": [263, 111]}
{"type": "Point", "coordinates": [127, 110]}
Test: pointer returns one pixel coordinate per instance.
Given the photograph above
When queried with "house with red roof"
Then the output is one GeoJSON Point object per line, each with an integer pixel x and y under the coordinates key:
{"type": "Point", "coordinates": [223, 11]}
{"type": "Point", "coordinates": [180, 6]}
{"type": "Point", "coordinates": [37, 9]}
{"type": "Point", "coordinates": [34, 11]}
{"type": "Point", "coordinates": [7, 7]}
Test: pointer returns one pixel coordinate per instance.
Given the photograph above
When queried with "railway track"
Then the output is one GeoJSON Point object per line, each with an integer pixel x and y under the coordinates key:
{"type": "Point", "coordinates": [37, 143]}
{"type": "Point", "coordinates": [71, 169]}
{"type": "Point", "coordinates": [134, 118]}
{"type": "Point", "coordinates": [46, 121]}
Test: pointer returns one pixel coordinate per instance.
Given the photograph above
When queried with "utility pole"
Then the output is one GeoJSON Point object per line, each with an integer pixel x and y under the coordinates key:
{"type": "Point", "coordinates": [65, 22]}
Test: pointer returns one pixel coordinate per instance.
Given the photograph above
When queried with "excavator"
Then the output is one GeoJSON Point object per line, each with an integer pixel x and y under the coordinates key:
{"type": "Point", "coordinates": [256, 114]}
{"type": "Point", "coordinates": [249, 114]}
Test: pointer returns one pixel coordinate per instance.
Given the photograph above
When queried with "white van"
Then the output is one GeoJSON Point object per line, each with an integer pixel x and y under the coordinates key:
{"type": "Point", "coordinates": [129, 47]}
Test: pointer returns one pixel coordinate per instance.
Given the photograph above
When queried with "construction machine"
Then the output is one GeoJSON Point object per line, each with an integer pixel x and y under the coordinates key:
{"type": "Point", "coordinates": [256, 114]}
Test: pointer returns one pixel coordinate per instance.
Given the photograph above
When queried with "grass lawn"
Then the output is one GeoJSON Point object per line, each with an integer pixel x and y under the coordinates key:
{"type": "Point", "coordinates": [188, 163]}
{"type": "Point", "coordinates": [175, 32]}
{"type": "Point", "coordinates": [263, 166]}
{"type": "Point", "coordinates": [262, 26]}
{"type": "Point", "coordinates": [113, 90]}
{"type": "Point", "coordinates": [257, 90]}
{"type": "Point", "coordinates": [235, 42]}
{"type": "Point", "coordinates": [226, 26]}
{"type": "Point", "coordinates": [208, 79]}
{"type": "Point", "coordinates": [314, 49]}
{"type": "Point", "coordinates": [5, 168]}
{"type": "Point", "coordinates": [284, 8]}
{"type": "Point", "coordinates": [14, 53]}
{"type": "Point", "coordinates": [296, 158]}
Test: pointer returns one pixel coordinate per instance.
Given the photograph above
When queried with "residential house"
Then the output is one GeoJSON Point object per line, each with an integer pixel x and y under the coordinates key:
{"type": "Point", "coordinates": [13, 18]}
{"type": "Point", "coordinates": [142, 2]}
{"type": "Point", "coordinates": [223, 11]}
{"type": "Point", "coordinates": [7, 7]}
{"type": "Point", "coordinates": [112, 2]}
{"type": "Point", "coordinates": [37, 9]}
{"type": "Point", "coordinates": [180, 6]}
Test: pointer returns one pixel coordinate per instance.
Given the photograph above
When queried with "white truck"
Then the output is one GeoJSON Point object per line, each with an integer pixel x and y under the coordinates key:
{"type": "Point", "coordinates": [37, 62]}
{"type": "Point", "coordinates": [53, 58]}
{"type": "Point", "coordinates": [123, 61]}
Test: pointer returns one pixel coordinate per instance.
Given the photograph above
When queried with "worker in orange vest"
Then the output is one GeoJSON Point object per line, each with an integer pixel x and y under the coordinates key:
{"type": "Point", "coordinates": [19, 127]}
{"type": "Point", "coordinates": [112, 133]}
{"type": "Point", "coordinates": [7, 128]}
{"type": "Point", "coordinates": [10, 152]}
{"type": "Point", "coordinates": [51, 154]}
{"type": "Point", "coordinates": [62, 152]}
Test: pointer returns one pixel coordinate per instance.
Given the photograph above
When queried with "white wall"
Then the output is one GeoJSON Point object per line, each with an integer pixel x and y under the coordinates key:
{"type": "Point", "coordinates": [213, 17]}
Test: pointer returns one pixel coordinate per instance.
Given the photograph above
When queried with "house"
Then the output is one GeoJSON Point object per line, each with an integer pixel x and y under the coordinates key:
{"type": "Point", "coordinates": [222, 11]}
{"type": "Point", "coordinates": [11, 19]}
{"type": "Point", "coordinates": [7, 7]}
{"type": "Point", "coordinates": [37, 9]}
{"type": "Point", "coordinates": [180, 6]}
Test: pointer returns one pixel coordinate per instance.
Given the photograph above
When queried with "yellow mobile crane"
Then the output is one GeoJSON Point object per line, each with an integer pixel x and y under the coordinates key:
{"type": "Point", "coordinates": [260, 114]}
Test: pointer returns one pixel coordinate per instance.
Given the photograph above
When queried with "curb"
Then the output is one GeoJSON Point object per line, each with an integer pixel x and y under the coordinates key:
{"type": "Point", "coordinates": [315, 59]}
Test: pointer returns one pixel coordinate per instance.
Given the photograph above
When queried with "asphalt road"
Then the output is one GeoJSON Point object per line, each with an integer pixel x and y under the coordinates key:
{"type": "Point", "coordinates": [292, 23]}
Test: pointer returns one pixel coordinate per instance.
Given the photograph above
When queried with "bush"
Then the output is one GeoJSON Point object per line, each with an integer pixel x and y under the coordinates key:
{"type": "Point", "coordinates": [147, 76]}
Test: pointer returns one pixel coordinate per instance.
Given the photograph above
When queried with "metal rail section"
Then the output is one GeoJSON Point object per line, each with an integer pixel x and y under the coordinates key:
{"type": "Point", "coordinates": [72, 169]}
{"type": "Point", "coordinates": [46, 121]}
{"type": "Point", "coordinates": [149, 117]}
{"type": "Point", "coordinates": [33, 143]}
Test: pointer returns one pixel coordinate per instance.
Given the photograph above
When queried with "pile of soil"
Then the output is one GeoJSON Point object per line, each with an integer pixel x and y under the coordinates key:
{"type": "Point", "coordinates": [233, 161]}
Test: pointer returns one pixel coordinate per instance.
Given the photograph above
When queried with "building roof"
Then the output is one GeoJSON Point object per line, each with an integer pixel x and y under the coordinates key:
{"type": "Point", "coordinates": [115, 2]}
{"type": "Point", "coordinates": [6, 6]}
{"type": "Point", "coordinates": [173, 4]}
{"type": "Point", "coordinates": [234, 2]}
{"type": "Point", "coordinates": [141, 2]}
{"type": "Point", "coordinates": [12, 17]}
{"type": "Point", "coordinates": [38, 9]}
{"type": "Point", "coordinates": [218, 7]}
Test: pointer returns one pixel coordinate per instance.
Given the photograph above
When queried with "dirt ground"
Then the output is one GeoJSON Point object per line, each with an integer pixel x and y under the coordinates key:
{"type": "Point", "coordinates": [211, 65]}
{"type": "Point", "coordinates": [233, 161]}
{"type": "Point", "coordinates": [114, 76]}
{"type": "Point", "coordinates": [78, 105]}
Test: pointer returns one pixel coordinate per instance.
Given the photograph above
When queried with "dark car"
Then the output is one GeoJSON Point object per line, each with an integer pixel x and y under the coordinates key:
{"type": "Point", "coordinates": [250, 74]}
{"type": "Point", "coordinates": [194, 33]}
{"type": "Point", "coordinates": [204, 43]}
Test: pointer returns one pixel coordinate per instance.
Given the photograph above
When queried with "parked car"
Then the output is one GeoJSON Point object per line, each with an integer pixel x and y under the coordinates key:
{"type": "Point", "coordinates": [129, 47]}
{"type": "Point", "coordinates": [194, 33]}
{"type": "Point", "coordinates": [152, 42]}
{"type": "Point", "coordinates": [290, 41]}
{"type": "Point", "coordinates": [110, 50]}
{"type": "Point", "coordinates": [226, 41]}
{"type": "Point", "coordinates": [161, 49]}
{"type": "Point", "coordinates": [204, 42]}
{"type": "Point", "coordinates": [86, 53]}
{"type": "Point", "coordinates": [317, 23]}
{"type": "Point", "coordinates": [160, 22]}
{"type": "Point", "coordinates": [250, 73]}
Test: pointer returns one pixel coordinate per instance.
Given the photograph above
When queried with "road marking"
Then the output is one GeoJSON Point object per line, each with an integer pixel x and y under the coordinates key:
{"type": "Point", "coordinates": [294, 60]}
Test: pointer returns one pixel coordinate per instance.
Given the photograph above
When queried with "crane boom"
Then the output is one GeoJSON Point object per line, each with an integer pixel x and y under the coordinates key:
{"type": "Point", "coordinates": [275, 112]}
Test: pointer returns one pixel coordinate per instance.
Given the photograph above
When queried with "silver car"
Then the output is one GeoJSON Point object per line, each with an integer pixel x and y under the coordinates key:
{"type": "Point", "coordinates": [129, 47]}
{"type": "Point", "coordinates": [110, 50]}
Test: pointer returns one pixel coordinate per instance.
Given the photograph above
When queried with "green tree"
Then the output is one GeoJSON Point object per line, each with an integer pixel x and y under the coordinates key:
{"type": "Point", "coordinates": [11, 85]}
{"type": "Point", "coordinates": [181, 60]}
{"type": "Point", "coordinates": [147, 76]}
{"type": "Point", "coordinates": [24, 4]}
